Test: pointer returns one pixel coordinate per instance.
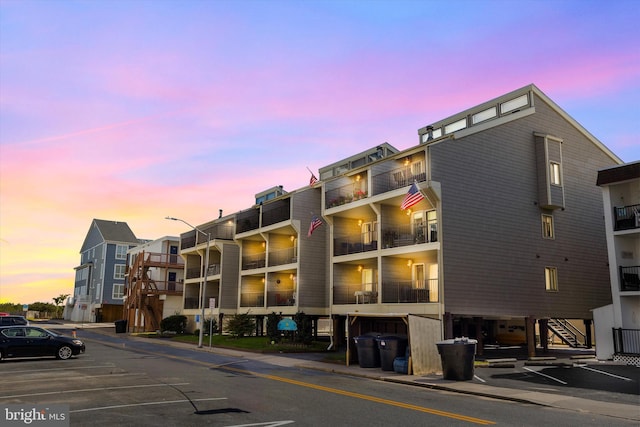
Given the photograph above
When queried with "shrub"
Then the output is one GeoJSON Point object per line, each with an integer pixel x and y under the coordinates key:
{"type": "Point", "coordinates": [241, 324]}
{"type": "Point", "coordinates": [304, 334]}
{"type": "Point", "coordinates": [272, 326]}
{"type": "Point", "coordinates": [176, 323]}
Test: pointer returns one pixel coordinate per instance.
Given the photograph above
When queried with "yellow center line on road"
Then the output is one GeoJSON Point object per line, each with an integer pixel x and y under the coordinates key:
{"type": "Point", "coordinates": [226, 367]}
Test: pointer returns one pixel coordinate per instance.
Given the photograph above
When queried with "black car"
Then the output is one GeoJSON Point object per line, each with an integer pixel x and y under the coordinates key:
{"type": "Point", "coordinates": [10, 320]}
{"type": "Point", "coordinates": [32, 341]}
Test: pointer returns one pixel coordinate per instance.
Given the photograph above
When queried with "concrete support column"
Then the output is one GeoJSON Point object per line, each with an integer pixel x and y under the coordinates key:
{"type": "Point", "coordinates": [220, 317]}
{"type": "Point", "coordinates": [480, 347]}
{"type": "Point", "coordinates": [448, 325]}
{"type": "Point", "coordinates": [530, 323]}
{"type": "Point", "coordinates": [587, 332]}
{"type": "Point", "coordinates": [544, 334]}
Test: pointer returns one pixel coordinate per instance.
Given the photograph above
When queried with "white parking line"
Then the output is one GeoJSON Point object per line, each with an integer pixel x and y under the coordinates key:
{"type": "Point", "coordinates": [546, 376]}
{"type": "Point", "coordinates": [606, 373]}
{"type": "Point", "coordinates": [83, 378]}
{"type": "Point", "coordinates": [162, 402]}
{"type": "Point", "coordinates": [90, 389]}
{"type": "Point", "coordinates": [478, 378]}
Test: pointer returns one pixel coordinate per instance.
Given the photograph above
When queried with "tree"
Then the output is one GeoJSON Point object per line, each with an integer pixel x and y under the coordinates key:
{"type": "Point", "coordinates": [304, 333]}
{"type": "Point", "coordinates": [59, 300]}
{"type": "Point", "coordinates": [272, 326]}
{"type": "Point", "coordinates": [176, 323]}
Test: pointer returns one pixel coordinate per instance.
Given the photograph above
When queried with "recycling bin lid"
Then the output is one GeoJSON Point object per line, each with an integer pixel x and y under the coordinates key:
{"type": "Point", "coordinates": [462, 340]}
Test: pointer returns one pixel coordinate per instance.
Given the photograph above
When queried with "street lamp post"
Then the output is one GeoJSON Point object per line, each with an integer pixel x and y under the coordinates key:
{"type": "Point", "coordinates": [204, 279]}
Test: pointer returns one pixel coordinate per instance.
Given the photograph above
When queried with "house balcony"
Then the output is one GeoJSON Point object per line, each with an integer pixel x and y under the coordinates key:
{"type": "Point", "coordinates": [630, 279]}
{"type": "Point", "coordinates": [397, 178]}
{"type": "Point", "coordinates": [281, 298]}
{"type": "Point", "coordinates": [250, 262]}
{"type": "Point", "coordinates": [196, 272]}
{"type": "Point", "coordinates": [282, 256]}
{"type": "Point", "coordinates": [626, 217]}
{"type": "Point", "coordinates": [415, 291]}
{"type": "Point", "coordinates": [191, 303]}
{"type": "Point", "coordinates": [354, 243]}
{"type": "Point", "coordinates": [162, 260]}
{"type": "Point", "coordinates": [275, 212]}
{"type": "Point", "coordinates": [247, 220]}
{"type": "Point", "coordinates": [626, 342]}
{"type": "Point", "coordinates": [193, 238]}
{"type": "Point", "coordinates": [405, 235]}
{"type": "Point", "coordinates": [344, 195]}
{"type": "Point", "coordinates": [355, 293]}
{"type": "Point", "coordinates": [252, 299]}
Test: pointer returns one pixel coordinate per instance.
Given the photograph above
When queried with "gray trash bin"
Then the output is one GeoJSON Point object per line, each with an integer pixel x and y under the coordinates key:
{"type": "Point", "coordinates": [391, 346]}
{"type": "Point", "coordinates": [458, 357]}
{"type": "Point", "coordinates": [368, 354]}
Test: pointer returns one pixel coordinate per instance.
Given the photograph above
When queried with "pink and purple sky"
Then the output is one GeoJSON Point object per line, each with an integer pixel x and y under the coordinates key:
{"type": "Point", "coordinates": [134, 110]}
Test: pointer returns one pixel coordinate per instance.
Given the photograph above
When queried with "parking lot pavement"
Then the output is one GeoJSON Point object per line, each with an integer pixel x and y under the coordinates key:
{"type": "Point", "coordinates": [563, 378]}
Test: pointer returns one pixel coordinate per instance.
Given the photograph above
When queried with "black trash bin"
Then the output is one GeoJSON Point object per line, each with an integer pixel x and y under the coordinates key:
{"type": "Point", "coordinates": [368, 354]}
{"type": "Point", "coordinates": [391, 347]}
{"type": "Point", "coordinates": [457, 356]}
{"type": "Point", "coordinates": [121, 326]}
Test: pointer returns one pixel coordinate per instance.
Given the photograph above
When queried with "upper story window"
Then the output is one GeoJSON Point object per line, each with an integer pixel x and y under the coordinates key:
{"type": "Point", "coordinates": [121, 251]}
{"type": "Point", "coordinates": [551, 279]}
{"type": "Point", "coordinates": [555, 173]}
{"type": "Point", "coordinates": [118, 271]}
{"type": "Point", "coordinates": [547, 227]}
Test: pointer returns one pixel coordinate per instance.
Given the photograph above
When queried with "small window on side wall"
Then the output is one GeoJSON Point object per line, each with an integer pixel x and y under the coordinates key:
{"type": "Point", "coordinates": [555, 174]}
{"type": "Point", "coordinates": [547, 227]}
{"type": "Point", "coordinates": [551, 279]}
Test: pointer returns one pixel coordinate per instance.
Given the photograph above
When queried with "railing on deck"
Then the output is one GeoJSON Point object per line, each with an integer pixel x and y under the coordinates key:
{"type": "Point", "coordinates": [413, 291]}
{"type": "Point", "coordinates": [250, 262]}
{"type": "Point", "coordinates": [252, 299]}
{"type": "Point", "coordinates": [626, 217]}
{"type": "Point", "coordinates": [282, 256]}
{"type": "Point", "coordinates": [355, 243]}
{"type": "Point", "coordinates": [355, 293]}
{"type": "Point", "coordinates": [405, 235]}
{"type": "Point", "coordinates": [279, 298]}
{"type": "Point", "coordinates": [626, 341]}
{"type": "Point", "coordinates": [630, 278]}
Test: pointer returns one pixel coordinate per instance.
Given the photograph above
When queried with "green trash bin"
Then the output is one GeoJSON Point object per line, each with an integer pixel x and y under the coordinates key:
{"type": "Point", "coordinates": [390, 347]}
{"type": "Point", "coordinates": [458, 357]}
{"type": "Point", "coordinates": [121, 326]}
{"type": "Point", "coordinates": [368, 355]}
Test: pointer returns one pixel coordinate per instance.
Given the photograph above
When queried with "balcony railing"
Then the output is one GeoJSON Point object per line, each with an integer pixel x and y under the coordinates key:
{"type": "Point", "coordinates": [405, 235]}
{"type": "Point", "coordinates": [191, 303]}
{"type": "Point", "coordinates": [163, 259]}
{"type": "Point", "coordinates": [626, 341]}
{"type": "Point", "coordinates": [415, 291]}
{"type": "Point", "coordinates": [355, 293]}
{"type": "Point", "coordinates": [355, 243]}
{"type": "Point", "coordinates": [630, 278]}
{"type": "Point", "coordinates": [282, 256]}
{"type": "Point", "coordinates": [395, 179]}
{"type": "Point", "coordinates": [195, 272]}
{"type": "Point", "coordinates": [275, 212]}
{"type": "Point", "coordinates": [252, 299]}
{"type": "Point", "coordinates": [626, 217]}
{"type": "Point", "coordinates": [250, 262]}
{"type": "Point", "coordinates": [279, 298]}
{"type": "Point", "coordinates": [217, 231]}
{"type": "Point", "coordinates": [343, 195]}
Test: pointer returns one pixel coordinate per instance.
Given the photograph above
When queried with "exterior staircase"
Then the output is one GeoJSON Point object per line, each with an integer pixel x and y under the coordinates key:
{"type": "Point", "coordinates": [568, 333]}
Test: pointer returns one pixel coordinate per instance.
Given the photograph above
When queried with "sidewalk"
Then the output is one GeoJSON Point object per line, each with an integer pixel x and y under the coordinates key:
{"type": "Point", "coordinates": [437, 382]}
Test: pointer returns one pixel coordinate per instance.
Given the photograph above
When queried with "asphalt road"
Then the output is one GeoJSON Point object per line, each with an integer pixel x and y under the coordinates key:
{"type": "Point", "coordinates": [139, 383]}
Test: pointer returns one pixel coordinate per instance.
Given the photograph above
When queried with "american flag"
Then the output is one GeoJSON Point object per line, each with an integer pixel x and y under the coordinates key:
{"type": "Point", "coordinates": [313, 179]}
{"type": "Point", "coordinates": [315, 223]}
{"type": "Point", "coordinates": [413, 196]}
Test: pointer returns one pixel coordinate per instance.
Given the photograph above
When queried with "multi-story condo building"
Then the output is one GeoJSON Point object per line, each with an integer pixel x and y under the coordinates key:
{"type": "Point", "coordinates": [154, 280]}
{"type": "Point", "coordinates": [617, 325]}
{"type": "Point", "coordinates": [99, 283]}
{"type": "Point", "coordinates": [504, 237]}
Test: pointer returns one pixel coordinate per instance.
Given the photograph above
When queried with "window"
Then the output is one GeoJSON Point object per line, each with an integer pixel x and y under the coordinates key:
{"type": "Point", "coordinates": [551, 279]}
{"type": "Point", "coordinates": [547, 226]}
{"type": "Point", "coordinates": [368, 232]}
{"type": "Point", "coordinates": [118, 271]}
{"type": "Point", "coordinates": [118, 291]}
{"type": "Point", "coordinates": [521, 101]}
{"type": "Point", "coordinates": [554, 171]}
{"type": "Point", "coordinates": [418, 276]}
{"type": "Point", "coordinates": [121, 251]}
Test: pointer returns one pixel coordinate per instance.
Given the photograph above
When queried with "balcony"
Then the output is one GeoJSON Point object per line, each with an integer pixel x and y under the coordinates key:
{"type": "Point", "coordinates": [344, 195]}
{"type": "Point", "coordinates": [252, 299]}
{"type": "Point", "coordinates": [626, 341]}
{"type": "Point", "coordinates": [275, 212]}
{"type": "Point", "coordinates": [355, 293]}
{"type": "Point", "coordinates": [395, 179]}
{"type": "Point", "coordinates": [193, 238]}
{"type": "Point", "coordinates": [191, 303]}
{"type": "Point", "coordinates": [626, 217]}
{"type": "Point", "coordinates": [411, 292]}
{"type": "Point", "coordinates": [405, 235]}
{"type": "Point", "coordinates": [250, 262]}
{"type": "Point", "coordinates": [354, 243]}
{"type": "Point", "coordinates": [282, 256]}
{"type": "Point", "coordinates": [248, 220]}
{"type": "Point", "coordinates": [195, 272]}
{"type": "Point", "coordinates": [629, 279]}
{"type": "Point", "coordinates": [281, 298]}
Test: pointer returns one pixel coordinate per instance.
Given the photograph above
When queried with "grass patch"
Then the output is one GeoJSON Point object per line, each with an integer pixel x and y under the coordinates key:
{"type": "Point", "coordinates": [259, 344]}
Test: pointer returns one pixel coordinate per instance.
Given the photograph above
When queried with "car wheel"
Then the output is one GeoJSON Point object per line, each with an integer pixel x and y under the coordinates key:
{"type": "Point", "coordinates": [64, 352]}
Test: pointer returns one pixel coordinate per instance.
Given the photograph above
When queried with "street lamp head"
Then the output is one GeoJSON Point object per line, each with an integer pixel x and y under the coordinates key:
{"type": "Point", "coordinates": [171, 218]}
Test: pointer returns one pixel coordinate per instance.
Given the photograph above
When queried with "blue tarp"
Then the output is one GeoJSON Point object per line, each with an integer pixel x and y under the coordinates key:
{"type": "Point", "coordinates": [287, 325]}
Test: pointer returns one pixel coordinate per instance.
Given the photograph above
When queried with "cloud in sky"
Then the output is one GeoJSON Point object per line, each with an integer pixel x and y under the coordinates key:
{"type": "Point", "coordinates": [132, 111]}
